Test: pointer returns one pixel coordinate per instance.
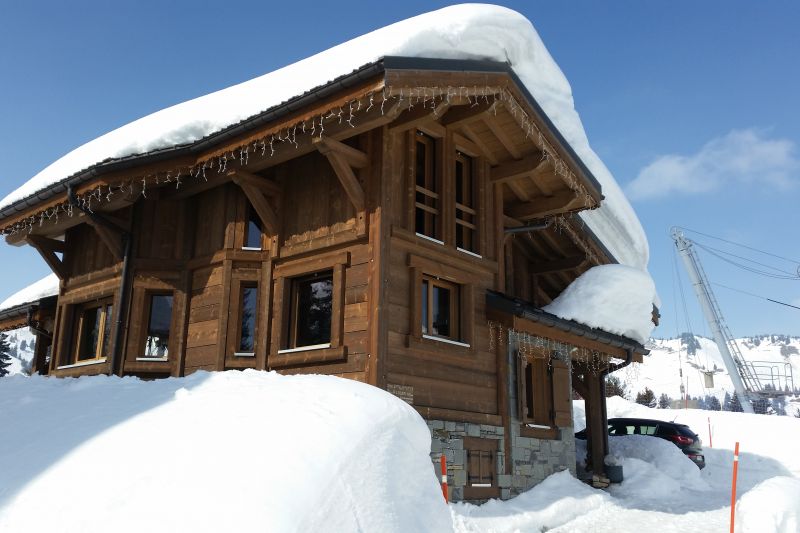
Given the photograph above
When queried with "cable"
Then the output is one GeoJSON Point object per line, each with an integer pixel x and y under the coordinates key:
{"type": "Point", "coordinates": [742, 245]}
{"type": "Point", "coordinates": [708, 248]}
{"type": "Point", "coordinates": [748, 269]}
{"type": "Point", "coordinates": [755, 295]}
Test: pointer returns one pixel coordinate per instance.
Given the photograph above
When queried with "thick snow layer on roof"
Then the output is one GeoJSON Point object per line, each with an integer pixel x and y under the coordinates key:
{"type": "Point", "coordinates": [468, 31]}
{"type": "Point", "coordinates": [47, 286]}
{"type": "Point", "coordinates": [615, 298]}
{"type": "Point", "coordinates": [227, 451]}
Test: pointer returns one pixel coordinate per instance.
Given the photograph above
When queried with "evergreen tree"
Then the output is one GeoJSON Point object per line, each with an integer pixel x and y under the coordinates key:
{"type": "Point", "coordinates": [761, 406]}
{"type": "Point", "coordinates": [701, 403]}
{"type": "Point", "coordinates": [23, 345]}
{"type": "Point", "coordinates": [713, 403]}
{"type": "Point", "coordinates": [779, 405]}
{"type": "Point", "coordinates": [664, 401]}
{"type": "Point", "coordinates": [646, 397]}
{"type": "Point", "coordinates": [5, 355]}
{"type": "Point", "coordinates": [733, 405]}
{"type": "Point", "coordinates": [615, 387]}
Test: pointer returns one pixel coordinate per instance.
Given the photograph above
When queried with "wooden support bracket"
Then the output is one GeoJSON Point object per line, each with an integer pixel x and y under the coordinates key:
{"type": "Point", "coordinates": [347, 178]}
{"type": "Point", "coordinates": [532, 165]}
{"type": "Point", "coordinates": [259, 202]}
{"type": "Point", "coordinates": [111, 238]}
{"type": "Point", "coordinates": [356, 158]}
{"type": "Point", "coordinates": [47, 250]}
{"type": "Point", "coordinates": [266, 186]}
{"type": "Point", "coordinates": [539, 208]}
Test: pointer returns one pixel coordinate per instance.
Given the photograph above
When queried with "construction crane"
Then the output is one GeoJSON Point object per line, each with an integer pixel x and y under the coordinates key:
{"type": "Point", "coordinates": [750, 380]}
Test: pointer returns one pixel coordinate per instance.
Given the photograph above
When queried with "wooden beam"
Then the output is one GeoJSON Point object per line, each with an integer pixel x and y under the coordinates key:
{"type": "Point", "coordinates": [513, 170]}
{"type": "Point", "coordinates": [568, 263]}
{"type": "Point", "coordinates": [261, 205]}
{"type": "Point", "coordinates": [266, 186]}
{"type": "Point", "coordinates": [540, 207]}
{"type": "Point", "coordinates": [111, 238]}
{"type": "Point", "coordinates": [348, 179]}
{"type": "Point", "coordinates": [502, 136]}
{"type": "Point", "coordinates": [466, 114]}
{"type": "Point", "coordinates": [475, 138]}
{"type": "Point", "coordinates": [518, 191]}
{"type": "Point", "coordinates": [356, 158]}
{"type": "Point", "coordinates": [42, 246]}
{"type": "Point", "coordinates": [190, 189]}
{"type": "Point", "coordinates": [412, 118]}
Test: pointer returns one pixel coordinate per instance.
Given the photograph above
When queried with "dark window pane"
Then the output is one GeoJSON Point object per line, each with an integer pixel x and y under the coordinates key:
{"type": "Point", "coordinates": [157, 342]}
{"type": "Point", "coordinates": [314, 298]}
{"type": "Point", "coordinates": [254, 231]}
{"type": "Point", "coordinates": [247, 339]}
{"type": "Point", "coordinates": [108, 330]}
{"type": "Point", "coordinates": [460, 183]}
{"type": "Point", "coordinates": [424, 307]}
{"type": "Point", "coordinates": [420, 168]}
{"type": "Point", "coordinates": [441, 311]}
{"type": "Point", "coordinates": [90, 334]}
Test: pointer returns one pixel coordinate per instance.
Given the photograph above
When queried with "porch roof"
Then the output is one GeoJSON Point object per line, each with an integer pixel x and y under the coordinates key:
{"type": "Point", "coordinates": [555, 326]}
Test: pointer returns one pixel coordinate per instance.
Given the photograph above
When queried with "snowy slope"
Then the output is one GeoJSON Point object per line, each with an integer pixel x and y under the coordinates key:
{"type": "Point", "coordinates": [233, 451]}
{"type": "Point", "coordinates": [21, 357]}
{"type": "Point", "coordinates": [467, 31]}
{"type": "Point", "coordinates": [661, 369]}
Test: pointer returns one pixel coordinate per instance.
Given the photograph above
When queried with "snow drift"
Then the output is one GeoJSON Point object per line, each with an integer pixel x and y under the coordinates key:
{"type": "Point", "coordinates": [229, 451]}
{"type": "Point", "coordinates": [616, 298]}
{"type": "Point", "coordinates": [469, 31]}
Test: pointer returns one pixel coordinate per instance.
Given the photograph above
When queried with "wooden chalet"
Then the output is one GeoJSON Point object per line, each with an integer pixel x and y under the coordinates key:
{"type": "Point", "coordinates": [401, 226]}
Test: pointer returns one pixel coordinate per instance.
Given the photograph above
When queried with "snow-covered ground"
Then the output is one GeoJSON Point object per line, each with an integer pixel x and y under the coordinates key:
{"type": "Point", "coordinates": [255, 451]}
{"type": "Point", "coordinates": [663, 490]}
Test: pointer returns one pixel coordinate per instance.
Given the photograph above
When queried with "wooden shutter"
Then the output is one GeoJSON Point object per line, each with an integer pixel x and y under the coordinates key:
{"type": "Point", "coordinates": [522, 404]}
{"type": "Point", "coordinates": [481, 468]}
{"type": "Point", "coordinates": [562, 395]}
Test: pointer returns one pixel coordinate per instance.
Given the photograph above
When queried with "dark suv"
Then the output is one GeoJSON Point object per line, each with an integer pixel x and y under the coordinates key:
{"type": "Point", "coordinates": [679, 434]}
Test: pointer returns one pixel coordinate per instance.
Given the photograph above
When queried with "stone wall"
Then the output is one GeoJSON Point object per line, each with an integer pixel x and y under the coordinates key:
{"type": "Point", "coordinates": [531, 461]}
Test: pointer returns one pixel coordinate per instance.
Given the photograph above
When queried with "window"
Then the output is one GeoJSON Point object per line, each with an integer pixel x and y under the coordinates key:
{"type": "Point", "coordinates": [156, 345]}
{"type": "Point", "coordinates": [311, 310]}
{"type": "Point", "coordinates": [247, 322]}
{"type": "Point", "coordinates": [543, 391]}
{"type": "Point", "coordinates": [253, 230]}
{"type": "Point", "coordinates": [466, 215]}
{"type": "Point", "coordinates": [93, 331]}
{"type": "Point", "coordinates": [427, 210]}
{"type": "Point", "coordinates": [481, 468]}
{"type": "Point", "coordinates": [439, 308]}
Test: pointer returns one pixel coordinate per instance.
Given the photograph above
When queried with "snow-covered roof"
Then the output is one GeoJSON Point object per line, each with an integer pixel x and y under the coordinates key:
{"type": "Point", "coordinates": [468, 31]}
{"type": "Point", "coordinates": [45, 287]}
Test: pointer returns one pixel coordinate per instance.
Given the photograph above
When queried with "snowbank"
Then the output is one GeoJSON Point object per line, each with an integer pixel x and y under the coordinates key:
{"type": "Point", "coordinates": [233, 451]}
{"type": "Point", "coordinates": [773, 505]}
{"type": "Point", "coordinates": [469, 31]}
{"type": "Point", "coordinates": [556, 501]}
{"type": "Point", "coordinates": [47, 286]}
{"type": "Point", "coordinates": [616, 298]}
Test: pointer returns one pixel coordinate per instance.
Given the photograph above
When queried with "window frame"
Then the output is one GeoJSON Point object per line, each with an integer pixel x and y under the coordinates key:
{"type": "Point", "coordinates": [283, 275]}
{"type": "Point", "coordinates": [427, 312]}
{"type": "Point", "coordinates": [141, 347]}
{"type": "Point", "coordinates": [431, 190]}
{"type": "Point", "coordinates": [242, 286]}
{"type": "Point", "coordinates": [249, 215]}
{"type": "Point", "coordinates": [424, 268]}
{"type": "Point", "coordinates": [470, 177]}
{"type": "Point", "coordinates": [290, 339]}
{"type": "Point", "coordinates": [78, 331]}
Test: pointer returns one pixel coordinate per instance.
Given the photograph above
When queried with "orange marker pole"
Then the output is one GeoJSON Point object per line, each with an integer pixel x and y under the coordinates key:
{"type": "Point", "coordinates": [710, 441]}
{"type": "Point", "coordinates": [733, 488]}
{"type": "Point", "coordinates": [444, 478]}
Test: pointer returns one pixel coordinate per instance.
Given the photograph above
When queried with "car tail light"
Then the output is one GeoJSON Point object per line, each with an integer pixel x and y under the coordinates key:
{"type": "Point", "coordinates": [681, 439]}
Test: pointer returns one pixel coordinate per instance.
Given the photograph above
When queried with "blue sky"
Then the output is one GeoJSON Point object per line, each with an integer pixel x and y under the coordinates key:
{"type": "Point", "coordinates": [692, 105]}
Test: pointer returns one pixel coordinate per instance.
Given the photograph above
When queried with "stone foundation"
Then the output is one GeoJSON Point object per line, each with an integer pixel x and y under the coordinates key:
{"type": "Point", "coordinates": [531, 461]}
